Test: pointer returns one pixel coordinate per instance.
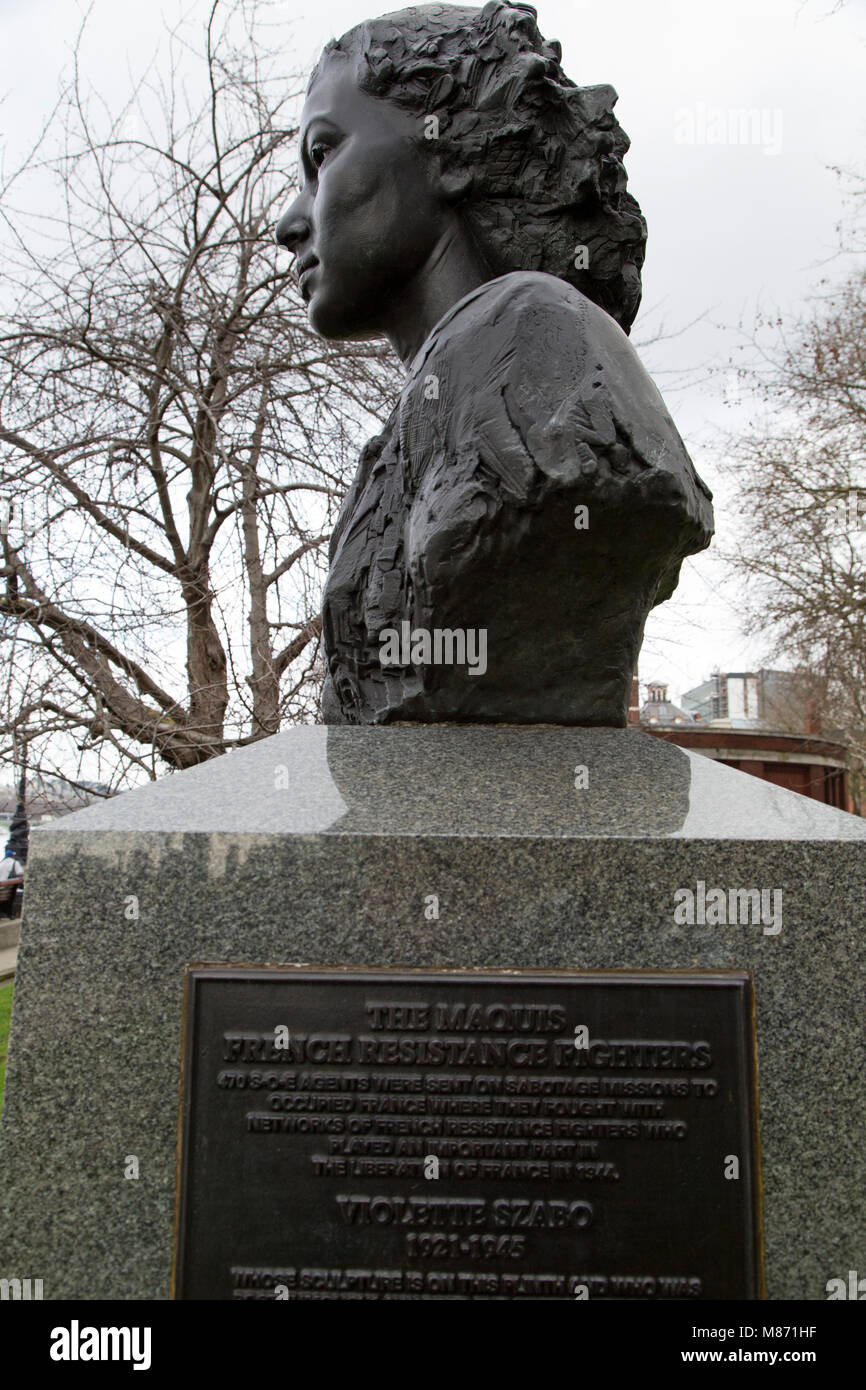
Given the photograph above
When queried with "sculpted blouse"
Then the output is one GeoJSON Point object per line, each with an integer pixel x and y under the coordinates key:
{"type": "Point", "coordinates": [488, 533]}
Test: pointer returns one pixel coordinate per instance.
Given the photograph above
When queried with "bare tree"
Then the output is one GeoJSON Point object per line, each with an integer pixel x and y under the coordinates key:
{"type": "Point", "coordinates": [172, 443]}
{"type": "Point", "coordinates": [801, 470]}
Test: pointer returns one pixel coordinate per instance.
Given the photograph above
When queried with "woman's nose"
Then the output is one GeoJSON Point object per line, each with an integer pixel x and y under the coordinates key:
{"type": "Point", "coordinates": [293, 227]}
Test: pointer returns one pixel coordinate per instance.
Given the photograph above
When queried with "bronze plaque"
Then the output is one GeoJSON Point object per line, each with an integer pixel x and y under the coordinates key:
{"type": "Point", "coordinates": [412, 1134]}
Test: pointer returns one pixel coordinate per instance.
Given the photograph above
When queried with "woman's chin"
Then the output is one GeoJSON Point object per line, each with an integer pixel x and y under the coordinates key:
{"type": "Point", "coordinates": [333, 321]}
{"type": "Point", "coordinates": [326, 319]}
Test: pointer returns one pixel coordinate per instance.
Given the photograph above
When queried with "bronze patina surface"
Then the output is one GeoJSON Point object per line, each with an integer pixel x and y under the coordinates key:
{"type": "Point", "coordinates": [529, 500]}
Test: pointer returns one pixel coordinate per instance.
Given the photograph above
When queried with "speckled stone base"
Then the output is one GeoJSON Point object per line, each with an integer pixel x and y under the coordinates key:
{"type": "Point", "coordinates": [546, 847]}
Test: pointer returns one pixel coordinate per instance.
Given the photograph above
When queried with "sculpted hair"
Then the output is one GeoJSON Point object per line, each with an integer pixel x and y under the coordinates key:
{"type": "Point", "coordinates": [548, 183]}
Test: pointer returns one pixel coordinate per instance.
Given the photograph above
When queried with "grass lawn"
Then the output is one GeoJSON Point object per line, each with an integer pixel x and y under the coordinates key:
{"type": "Point", "coordinates": [5, 1014]}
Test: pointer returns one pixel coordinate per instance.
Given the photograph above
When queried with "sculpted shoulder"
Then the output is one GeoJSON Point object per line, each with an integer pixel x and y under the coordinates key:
{"type": "Point", "coordinates": [512, 312]}
{"type": "Point", "coordinates": [544, 382]}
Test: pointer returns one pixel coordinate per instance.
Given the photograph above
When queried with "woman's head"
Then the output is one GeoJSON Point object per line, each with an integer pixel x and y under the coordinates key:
{"type": "Point", "coordinates": [373, 227]}
{"type": "Point", "coordinates": [541, 159]}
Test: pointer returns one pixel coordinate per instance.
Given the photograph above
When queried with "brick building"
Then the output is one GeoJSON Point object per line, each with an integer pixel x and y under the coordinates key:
{"type": "Point", "coordinates": [744, 719]}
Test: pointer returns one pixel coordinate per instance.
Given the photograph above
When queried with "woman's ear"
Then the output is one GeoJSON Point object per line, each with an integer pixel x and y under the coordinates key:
{"type": "Point", "coordinates": [455, 184]}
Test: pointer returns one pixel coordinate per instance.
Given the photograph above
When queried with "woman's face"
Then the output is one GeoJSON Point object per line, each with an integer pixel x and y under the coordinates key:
{"type": "Point", "coordinates": [368, 216]}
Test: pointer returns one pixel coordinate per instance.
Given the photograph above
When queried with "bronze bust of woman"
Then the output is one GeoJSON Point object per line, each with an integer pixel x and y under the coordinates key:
{"type": "Point", "coordinates": [529, 499]}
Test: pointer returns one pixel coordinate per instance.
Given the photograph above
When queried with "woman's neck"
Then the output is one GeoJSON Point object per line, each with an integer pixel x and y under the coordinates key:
{"type": "Point", "coordinates": [453, 269]}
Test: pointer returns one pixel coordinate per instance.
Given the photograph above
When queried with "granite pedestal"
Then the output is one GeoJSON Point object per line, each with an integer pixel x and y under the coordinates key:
{"type": "Point", "coordinates": [544, 846]}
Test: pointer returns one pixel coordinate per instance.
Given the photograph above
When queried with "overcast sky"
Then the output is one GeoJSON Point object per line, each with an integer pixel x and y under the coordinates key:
{"type": "Point", "coordinates": [731, 225]}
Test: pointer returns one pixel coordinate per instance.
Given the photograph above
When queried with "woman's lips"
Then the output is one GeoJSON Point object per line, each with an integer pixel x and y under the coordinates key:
{"type": "Point", "coordinates": [305, 270]}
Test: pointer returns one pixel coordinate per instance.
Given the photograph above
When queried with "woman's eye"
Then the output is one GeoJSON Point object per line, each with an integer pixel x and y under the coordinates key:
{"type": "Point", "coordinates": [318, 153]}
